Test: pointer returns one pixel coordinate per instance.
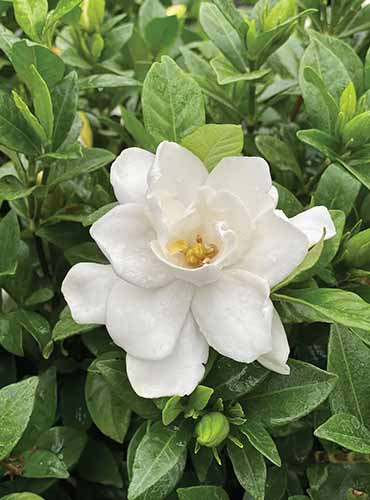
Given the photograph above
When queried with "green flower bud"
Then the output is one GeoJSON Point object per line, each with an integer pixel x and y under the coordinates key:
{"type": "Point", "coordinates": [212, 429]}
{"type": "Point", "coordinates": [353, 494]}
{"type": "Point", "coordinates": [92, 15]}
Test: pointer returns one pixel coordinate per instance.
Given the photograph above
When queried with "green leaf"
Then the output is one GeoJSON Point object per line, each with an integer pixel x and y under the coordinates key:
{"type": "Point", "coordinates": [44, 410]}
{"type": "Point", "coordinates": [11, 334]}
{"type": "Point", "coordinates": [149, 10]}
{"type": "Point", "coordinates": [203, 492]}
{"type": "Point", "coordinates": [66, 328]}
{"type": "Point", "coordinates": [132, 447]}
{"type": "Point", "coordinates": [360, 170]}
{"type": "Point", "coordinates": [173, 408]}
{"type": "Point", "coordinates": [65, 98]}
{"type": "Point", "coordinates": [108, 81]}
{"type": "Point", "coordinates": [337, 189]}
{"type": "Point", "coordinates": [30, 118]}
{"type": "Point", "coordinates": [24, 54]}
{"type": "Point", "coordinates": [226, 73]}
{"type": "Point", "coordinates": [31, 16]}
{"type": "Point", "coordinates": [328, 305]}
{"type": "Point", "coordinates": [113, 369]}
{"type": "Point", "coordinates": [65, 442]}
{"type": "Point", "coordinates": [12, 189]}
{"type": "Point", "coordinates": [356, 132]}
{"type": "Point", "coordinates": [300, 272]}
{"type": "Point", "coordinates": [9, 243]}
{"type": "Point", "coordinates": [73, 409]}
{"type": "Point", "coordinates": [260, 438]}
{"type": "Point", "coordinates": [212, 143]}
{"type": "Point", "coordinates": [21, 496]}
{"type": "Point", "coordinates": [63, 8]}
{"type": "Point", "coordinates": [34, 324]}
{"type": "Point", "coordinates": [232, 380]}
{"type": "Point", "coordinates": [92, 160]}
{"type": "Point", "coordinates": [281, 399]}
{"type": "Point", "coordinates": [109, 412]}
{"type": "Point", "coordinates": [349, 358]}
{"type": "Point", "coordinates": [43, 464]}
{"type": "Point", "coordinates": [199, 399]}
{"type": "Point", "coordinates": [104, 470]}
{"type": "Point", "coordinates": [357, 250]}
{"type": "Point", "coordinates": [137, 130]}
{"type": "Point", "coordinates": [348, 102]}
{"type": "Point", "coordinates": [347, 431]}
{"type": "Point", "coordinates": [249, 467]}
{"type": "Point", "coordinates": [172, 102]}
{"type": "Point", "coordinates": [41, 101]}
{"type": "Point", "coordinates": [159, 462]}
{"type": "Point", "coordinates": [223, 35]}
{"type": "Point", "coordinates": [15, 132]}
{"type": "Point", "coordinates": [16, 405]}
{"type": "Point", "coordinates": [161, 33]}
{"type": "Point", "coordinates": [278, 154]}
{"type": "Point", "coordinates": [320, 140]}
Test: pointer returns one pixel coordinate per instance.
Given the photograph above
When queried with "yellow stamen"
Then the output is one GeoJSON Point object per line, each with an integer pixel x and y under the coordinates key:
{"type": "Point", "coordinates": [197, 254]}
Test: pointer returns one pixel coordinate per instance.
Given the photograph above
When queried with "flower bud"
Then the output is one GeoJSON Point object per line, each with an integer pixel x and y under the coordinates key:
{"type": "Point", "coordinates": [178, 10]}
{"type": "Point", "coordinates": [86, 135]}
{"type": "Point", "coordinates": [353, 494]}
{"type": "Point", "coordinates": [212, 429]}
{"type": "Point", "coordinates": [92, 15]}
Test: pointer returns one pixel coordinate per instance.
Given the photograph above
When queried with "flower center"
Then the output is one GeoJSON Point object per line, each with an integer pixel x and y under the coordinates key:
{"type": "Point", "coordinates": [197, 254]}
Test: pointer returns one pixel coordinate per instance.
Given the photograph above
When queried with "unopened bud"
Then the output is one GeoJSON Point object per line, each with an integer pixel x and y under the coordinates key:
{"type": "Point", "coordinates": [178, 10]}
{"type": "Point", "coordinates": [212, 429]}
{"type": "Point", "coordinates": [92, 15]}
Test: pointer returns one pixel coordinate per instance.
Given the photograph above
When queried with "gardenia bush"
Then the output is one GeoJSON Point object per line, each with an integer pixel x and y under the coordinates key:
{"type": "Point", "coordinates": [184, 250]}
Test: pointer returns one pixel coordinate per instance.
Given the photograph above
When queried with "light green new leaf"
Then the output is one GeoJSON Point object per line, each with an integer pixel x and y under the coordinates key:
{"type": "Point", "coordinates": [347, 431]}
{"type": "Point", "coordinates": [159, 462]}
{"type": "Point", "coordinates": [9, 243]}
{"type": "Point", "coordinates": [212, 143]}
{"type": "Point", "coordinates": [249, 467]}
{"type": "Point", "coordinates": [349, 358]}
{"type": "Point", "coordinates": [357, 250]}
{"type": "Point", "coordinates": [16, 405]}
{"type": "Point", "coordinates": [172, 102]}
{"type": "Point", "coordinates": [281, 399]}
{"type": "Point", "coordinates": [22, 496]}
{"type": "Point", "coordinates": [31, 16]}
{"type": "Point", "coordinates": [260, 438]}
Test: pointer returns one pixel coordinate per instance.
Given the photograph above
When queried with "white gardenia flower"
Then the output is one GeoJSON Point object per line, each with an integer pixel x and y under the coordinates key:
{"type": "Point", "coordinates": [193, 256]}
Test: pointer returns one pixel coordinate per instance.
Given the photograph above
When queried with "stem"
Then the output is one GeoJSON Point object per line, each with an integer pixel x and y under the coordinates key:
{"type": "Point", "coordinates": [251, 113]}
{"type": "Point", "coordinates": [297, 106]}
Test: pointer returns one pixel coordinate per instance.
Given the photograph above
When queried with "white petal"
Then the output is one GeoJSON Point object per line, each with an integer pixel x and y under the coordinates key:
{"type": "Point", "coordinates": [246, 177]}
{"type": "Point", "coordinates": [128, 175]}
{"type": "Point", "coordinates": [124, 235]}
{"type": "Point", "coordinates": [176, 172]}
{"type": "Point", "coordinates": [234, 314]}
{"type": "Point", "coordinates": [312, 223]}
{"type": "Point", "coordinates": [274, 194]}
{"type": "Point", "coordinates": [146, 322]}
{"type": "Point", "coordinates": [277, 248]}
{"type": "Point", "coordinates": [176, 375]}
{"type": "Point", "coordinates": [276, 360]}
{"type": "Point", "coordinates": [86, 289]}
